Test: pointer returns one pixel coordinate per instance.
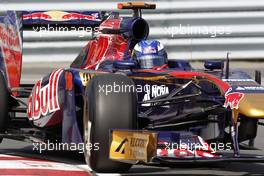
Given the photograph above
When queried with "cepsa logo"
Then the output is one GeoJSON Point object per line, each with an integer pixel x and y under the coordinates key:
{"type": "Point", "coordinates": [232, 99]}
{"type": "Point", "coordinates": [44, 100]}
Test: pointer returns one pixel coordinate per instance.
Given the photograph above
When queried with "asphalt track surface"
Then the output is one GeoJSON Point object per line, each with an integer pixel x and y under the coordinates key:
{"type": "Point", "coordinates": [19, 158]}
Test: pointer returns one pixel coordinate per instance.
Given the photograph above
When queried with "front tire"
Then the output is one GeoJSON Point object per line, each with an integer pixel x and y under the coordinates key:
{"type": "Point", "coordinates": [116, 110]}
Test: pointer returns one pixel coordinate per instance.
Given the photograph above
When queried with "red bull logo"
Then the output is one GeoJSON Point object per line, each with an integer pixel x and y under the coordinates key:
{"type": "Point", "coordinates": [44, 100]}
{"type": "Point", "coordinates": [150, 50]}
{"type": "Point", "coordinates": [78, 16]}
{"type": "Point", "coordinates": [61, 16]}
{"type": "Point", "coordinates": [9, 38]}
{"type": "Point", "coordinates": [232, 99]}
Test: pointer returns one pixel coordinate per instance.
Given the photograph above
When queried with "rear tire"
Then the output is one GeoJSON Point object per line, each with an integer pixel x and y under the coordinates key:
{"type": "Point", "coordinates": [117, 110]}
{"type": "Point", "coordinates": [4, 94]}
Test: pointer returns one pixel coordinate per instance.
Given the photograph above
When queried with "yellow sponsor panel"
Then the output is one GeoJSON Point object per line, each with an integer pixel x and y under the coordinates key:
{"type": "Point", "coordinates": [85, 77]}
{"type": "Point", "coordinates": [133, 145]}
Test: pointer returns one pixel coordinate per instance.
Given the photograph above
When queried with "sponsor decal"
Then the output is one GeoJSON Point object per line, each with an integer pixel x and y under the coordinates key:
{"type": "Point", "coordinates": [121, 146]}
{"type": "Point", "coordinates": [149, 50]}
{"type": "Point", "coordinates": [44, 100]}
{"type": "Point", "coordinates": [238, 80]}
{"type": "Point", "coordinates": [232, 99]}
{"type": "Point", "coordinates": [137, 146]}
{"type": "Point", "coordinates": [11, 52]}
{"type": "Point", "coordinates": [185, 153]}
{"type": "Point", "coordinates": [9, 38]}
{"type": "Point", "coordinates": [153, 91]}
{"type": "Point", "coordinates": [250, 88]}
{"type": "Point", "coordinates": [240, 88]}
{"type": "Point", "coordinates": [194, 147]}
{"type": "Point", "coordinates": [61, 16]}
{"type": "Point", "coordinates": [78, 16]}
{"type": "Point", "coordinates": [129, 145]}
{"type": "Point", "coordinates": [138, 142]}
{"type": "Point", "coordinates": [85, 77]}
{"type": "Point", "coordinates": [37, 15]}
{"type": "Point", "coordinates": [110, 23]}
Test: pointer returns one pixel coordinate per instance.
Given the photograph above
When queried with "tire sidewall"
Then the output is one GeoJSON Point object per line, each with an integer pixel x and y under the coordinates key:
{"type": "Point", "coordinates": [104, 112]}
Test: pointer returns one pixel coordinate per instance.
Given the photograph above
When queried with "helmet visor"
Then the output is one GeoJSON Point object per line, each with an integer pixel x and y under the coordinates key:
{"type": "Point", "coordinates": [150, 61]}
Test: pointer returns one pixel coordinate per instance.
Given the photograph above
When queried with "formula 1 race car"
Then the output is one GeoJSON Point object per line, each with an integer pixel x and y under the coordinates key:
{"type": "Point", "coordinates": [123, 114]}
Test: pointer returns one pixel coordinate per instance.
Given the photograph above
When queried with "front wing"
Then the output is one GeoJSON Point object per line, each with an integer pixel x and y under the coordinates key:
{"type": "Point", "coordinates": [151, 147]}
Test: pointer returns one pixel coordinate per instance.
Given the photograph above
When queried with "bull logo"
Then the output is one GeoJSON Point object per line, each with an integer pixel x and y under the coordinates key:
{"type": "Point", "coordinates": [232, 99]}
{"type": "Point", "coordinates": [44, 100]}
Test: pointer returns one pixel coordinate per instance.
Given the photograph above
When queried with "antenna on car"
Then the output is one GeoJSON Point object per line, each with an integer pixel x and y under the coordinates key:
{"type": "Point", "coordinates": [136, 7]}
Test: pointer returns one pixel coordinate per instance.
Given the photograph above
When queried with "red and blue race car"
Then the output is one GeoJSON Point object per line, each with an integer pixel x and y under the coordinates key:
{"type": "Point", "coordinates": [121, 113]}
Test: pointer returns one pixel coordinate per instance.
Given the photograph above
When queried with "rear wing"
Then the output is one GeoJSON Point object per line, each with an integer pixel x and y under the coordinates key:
{"type": "Point", "coordinates": [62, 18]}
{"type": "Point", "coordinates": [13, 23]}
{"type": "Point", "coordinates": [81, 23]}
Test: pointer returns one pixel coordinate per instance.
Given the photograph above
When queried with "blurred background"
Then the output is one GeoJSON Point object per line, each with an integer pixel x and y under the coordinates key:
{"type": "Point", "coordinates": [189, 29]}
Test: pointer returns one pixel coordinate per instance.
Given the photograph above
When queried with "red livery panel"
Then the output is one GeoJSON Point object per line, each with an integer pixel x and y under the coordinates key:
{"type": "Point", "coordinates": [11, 52]}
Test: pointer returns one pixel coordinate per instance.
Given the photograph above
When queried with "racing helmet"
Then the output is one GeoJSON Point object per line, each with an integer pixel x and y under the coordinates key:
{"type": "Point", "coordinates": [149, 54]}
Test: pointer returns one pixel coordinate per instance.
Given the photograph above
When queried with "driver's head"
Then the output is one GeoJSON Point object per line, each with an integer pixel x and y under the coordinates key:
{"type": "Point", "coordinates": [149, 54]}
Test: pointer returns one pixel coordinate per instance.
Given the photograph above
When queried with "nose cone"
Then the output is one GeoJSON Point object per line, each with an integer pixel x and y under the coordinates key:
{"type": "Point", "coordinates": [252, 105]}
